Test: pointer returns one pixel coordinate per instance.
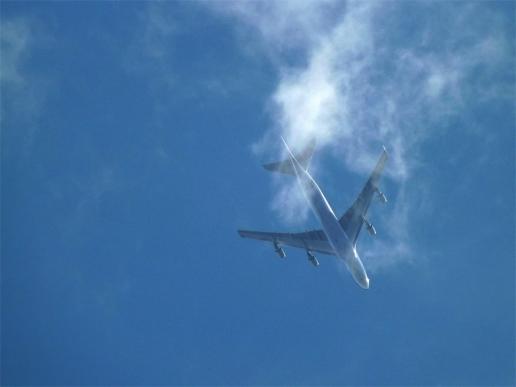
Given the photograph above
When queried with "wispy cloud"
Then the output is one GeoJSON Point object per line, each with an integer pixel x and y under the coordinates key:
{"type": "Point", "coordinates": [19, 98]}
{"type": "Point", "coordinates": [15, 39]}
{"type": "Point", "coordinates": [23, 92]}
{"type": "Point", "coordinates": [284, 25]}
{"type": "Point", "coordinates": [355, 77]}
{"type": "Point", "coordinates": [152, 49]}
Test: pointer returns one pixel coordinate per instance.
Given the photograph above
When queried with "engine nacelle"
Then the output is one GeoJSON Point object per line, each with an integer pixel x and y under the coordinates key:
{"type": "Point", "coordinates": [370, 228]}
{"type": "Point", "coordinates": [381, 196]}
{"type": "Point", "coordinates": [279, 250]}
{"type": "Point", "coordinates": [312, 259]}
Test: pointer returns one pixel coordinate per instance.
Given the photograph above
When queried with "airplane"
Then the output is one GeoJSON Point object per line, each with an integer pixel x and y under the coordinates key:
{"type": "Point", "coordinates": [338, 236]}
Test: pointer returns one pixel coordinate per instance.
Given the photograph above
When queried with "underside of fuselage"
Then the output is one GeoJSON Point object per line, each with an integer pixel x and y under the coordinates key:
{"type": "Point", "coordinates": [347, 252]}
{"type": "Point", "coordinates": [336, 235]}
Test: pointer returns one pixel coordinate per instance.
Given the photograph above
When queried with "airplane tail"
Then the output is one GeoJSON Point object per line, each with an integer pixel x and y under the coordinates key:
{"type": "Point", "coordinates": [286, 167]}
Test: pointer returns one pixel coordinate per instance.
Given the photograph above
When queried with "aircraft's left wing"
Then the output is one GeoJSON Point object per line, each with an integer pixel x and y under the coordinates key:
{"type": "Point", "coordinates": [354, 217]}
{"type": "Point", "coordinates": [315, 240]}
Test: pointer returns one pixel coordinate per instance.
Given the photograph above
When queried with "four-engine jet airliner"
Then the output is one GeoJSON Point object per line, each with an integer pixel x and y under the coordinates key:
{"type": "Point", "coordinates": [338, 236]}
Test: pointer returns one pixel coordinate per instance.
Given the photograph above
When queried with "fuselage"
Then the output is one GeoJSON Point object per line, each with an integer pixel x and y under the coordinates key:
{"type": "Point", "coordinates": [339, 241]}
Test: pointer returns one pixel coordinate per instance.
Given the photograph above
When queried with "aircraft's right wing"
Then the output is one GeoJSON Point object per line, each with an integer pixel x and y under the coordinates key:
{"type": "Point", "coordinates": [352, 220]}
{"type": "Point", "coordinates": [315, 240]}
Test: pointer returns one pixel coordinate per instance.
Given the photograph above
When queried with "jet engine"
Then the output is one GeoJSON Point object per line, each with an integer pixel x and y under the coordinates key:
{"type": "Point", "coordinates": [381, 196]}
{"type": "Point", "coordinates": [279, 250]}
{"type": "Point", "coordinates": [312, 259]}
{"type": "Point", "coordinates": [370, 228]}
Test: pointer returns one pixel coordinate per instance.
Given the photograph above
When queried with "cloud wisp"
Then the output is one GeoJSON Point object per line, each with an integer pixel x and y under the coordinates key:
{"type": "Point", "coordinates": [23, 89]}
{"type": "Point", "coordinates": [349, 80]}
{"type": "Point", "coordinates": [15, 39]}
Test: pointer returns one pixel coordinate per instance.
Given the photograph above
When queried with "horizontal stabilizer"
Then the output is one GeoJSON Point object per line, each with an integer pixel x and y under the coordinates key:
{"type": "Point", "coordinates": [285, 166]}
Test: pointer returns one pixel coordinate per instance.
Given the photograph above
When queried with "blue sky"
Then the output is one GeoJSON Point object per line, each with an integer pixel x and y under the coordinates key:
{"type": "Point", "coordinates": [132, 137]}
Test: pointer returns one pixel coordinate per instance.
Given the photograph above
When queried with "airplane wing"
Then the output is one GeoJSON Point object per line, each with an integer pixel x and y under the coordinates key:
{"type": "Point", "coordinates": [315, 240]}
{"type": "Point", "coordinates": [354, 217]}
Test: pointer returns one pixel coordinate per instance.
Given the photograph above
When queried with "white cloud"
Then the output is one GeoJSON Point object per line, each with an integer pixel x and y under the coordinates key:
{"type": "Point", "coordinates": [151, 52]}
{"type": "Point", "coordinates": [23, 90]}
{"type": "Point", "coordinates": [283, 25]}
{"type": "Point", "coordinates": [159, 27]}
{"type": "Point", "coordinates": [358, 86]}
{"type": "Point", "coordinates": [15, 38]}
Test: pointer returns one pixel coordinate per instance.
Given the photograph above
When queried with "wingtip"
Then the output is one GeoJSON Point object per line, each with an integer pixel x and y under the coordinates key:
{"type": "Point", "coordinates": [384, 149]}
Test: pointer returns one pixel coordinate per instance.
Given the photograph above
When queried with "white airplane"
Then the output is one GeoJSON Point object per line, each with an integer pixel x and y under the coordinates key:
{"type": "Point", "coordinates": [338, 236]}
